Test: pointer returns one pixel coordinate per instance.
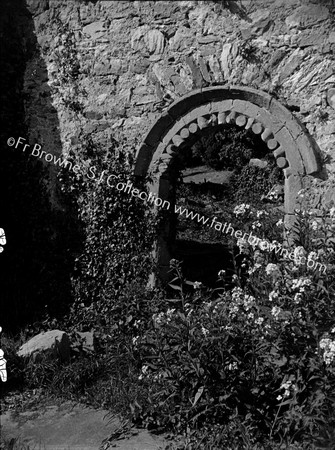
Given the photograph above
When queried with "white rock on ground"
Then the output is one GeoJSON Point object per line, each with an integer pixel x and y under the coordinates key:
{"type": "Point", "coordinates": [54, 343]}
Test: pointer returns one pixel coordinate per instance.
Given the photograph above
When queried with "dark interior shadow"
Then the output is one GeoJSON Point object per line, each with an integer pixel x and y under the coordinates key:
{"type": "Point", "coordinates": [36, 264]}
{"type": "Point", "coordinates": [202, 261]}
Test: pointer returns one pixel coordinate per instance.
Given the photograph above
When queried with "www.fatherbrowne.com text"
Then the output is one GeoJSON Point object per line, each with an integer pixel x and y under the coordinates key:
{"type": "Point", "coordinates": [152, 199]}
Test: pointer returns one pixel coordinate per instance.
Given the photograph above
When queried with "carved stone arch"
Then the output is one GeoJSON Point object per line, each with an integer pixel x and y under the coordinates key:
{"type": "Point", "coordinates": [294, 149]}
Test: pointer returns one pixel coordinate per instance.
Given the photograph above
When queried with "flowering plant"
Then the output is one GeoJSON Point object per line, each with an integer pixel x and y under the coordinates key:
{"type": "Point", "coordinates": [259, 349]}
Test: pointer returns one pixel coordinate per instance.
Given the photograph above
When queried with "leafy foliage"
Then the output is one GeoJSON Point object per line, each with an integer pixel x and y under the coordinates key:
{"type": "Point", "coordinates": [256, 354]}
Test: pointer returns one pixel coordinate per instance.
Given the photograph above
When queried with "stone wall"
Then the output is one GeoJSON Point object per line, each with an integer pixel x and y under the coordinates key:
{"type": "Point", "coordinates": [135, 58]}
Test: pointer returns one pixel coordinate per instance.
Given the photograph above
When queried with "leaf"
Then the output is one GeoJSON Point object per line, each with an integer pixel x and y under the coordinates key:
{"type": "Point", "coordinates": [198, 395]}
{"type": "Point", "coordinates": [175, 287]}
{"type": "Point", "coordinates": [281, 362]}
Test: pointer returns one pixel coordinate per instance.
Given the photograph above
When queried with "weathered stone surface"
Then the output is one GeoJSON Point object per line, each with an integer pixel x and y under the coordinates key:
{"type": "Point", "coordinates": [258, 163]}
{"type": "Point", "coordinates": [309, 38]}
{"type": "Point", "coordinates": [331, 97]}
{"type": "Point", "coordinates": [261, 21]}
{"type": "Point", "coordinates": [154, 41]}
{"type": "Point", "coordinates": [225, 59]}
{"type": "Point", "coordinates": [291, 64]}
{"type": "Point", "coordinates": [37, 6]}
{"type": "Point", "coordinates": [307, 16]}
{"type": "Point", "coordinates": [139, 65]}
{"type": "Point", "coordinates": [184, 38]}
{"type": "Point", "coordinates": [164, 9]}
{"type": "Point", "coordinates": [54, 343]}
{"type": "Point", "coordinates": [95, 30]}
{"type": "Point", "coordinates": [136, 58]}
{"type": "Point", "coordinates": [196, 73]}
{"type": "Point", "coordinates": [137, 38]}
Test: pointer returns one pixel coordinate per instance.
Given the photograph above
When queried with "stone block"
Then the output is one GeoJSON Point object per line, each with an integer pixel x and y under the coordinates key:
{"type": "Point", "coordinates": [196, 73]}
{"type": "Point", "coordinates": [292, 153]}
{"type": "Point", "coordinates": [258, 163]}
{"type": "Point", "coordinates": [201, 111]}
{"type": "Point", "coordinates": [310, 154]}
{"type": "Point", "coordinates": [139, 66]}
{"type": "Point", "coordinates": [222, 106]}
{"type": "Point", "coordinates": [307, 16]}
{"type": "Point", "coordinates": [36, 7]}
{"type": "Point", "coordinates": [176, 128]}
{"type": "Point", "coordinates": [54, 343]}
{"type": "Point", "coordinates": [155, 41]}
{"type": "Point", "coordinates": [183, 39]}
{"type": "Point", "coordinates": [310, 38]}
{"type": "Point", "coordinates": [164, 122]}
{"type": "Point", "coordinates": [186, 103]}
{"type": "Point", "coordinates": [95, 30]}
{"type": "Point", "coordinates": [259, 98]}
{"type": "Point", "coordinates": [331, 97]}
{"type": "Point", "coordinates": [143, 158]}
{"type": "Point", "coordinates": [293, 184]}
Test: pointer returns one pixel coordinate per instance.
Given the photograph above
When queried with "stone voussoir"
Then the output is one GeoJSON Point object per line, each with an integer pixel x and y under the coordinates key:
{"type": "Point", "coordinates": [157, 131]}
{"type": "Point", "coordinates": [293, 156]}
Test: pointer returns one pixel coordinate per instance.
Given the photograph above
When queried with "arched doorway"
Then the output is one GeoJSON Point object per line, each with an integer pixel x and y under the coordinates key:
{"type": "Point", "coordinates": [295, 152]}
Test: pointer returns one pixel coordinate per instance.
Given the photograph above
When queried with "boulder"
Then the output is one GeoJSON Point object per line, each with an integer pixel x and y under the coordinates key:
{"type": "Point", "coordinates": [54, 343]}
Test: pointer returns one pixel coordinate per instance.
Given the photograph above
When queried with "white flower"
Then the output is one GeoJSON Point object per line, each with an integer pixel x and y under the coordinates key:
{"type": "Point", "coordinates": [144, 372]}
{"type": "Point", "coordinates": [279, 223]}
{"type": "Point", "coordinates": [204, 331]}
{"type": "Point", "coordinates": [259, 321]}
{"type": "Point", "coordinates": [159, 318]}
{"type": "Point", "coordinates": [299, 254]}
{"type": "Point", "coordinates": [273, 296]}
{"type": "Point", "coordinates": [261, 213]}
{"type": "Point", "coordinates": [232, 366]}
{"type": "Point", "coordinates": [197, 284]}
{"type": "Point", "coordinates": [279, 397]}
{"type": "Point", "coordinates": [242, 245]}
{"type": "Point", "coordinates": [298, 298]}
{"type": "Point", "coordinates": [256, 224]}
{"type": "Point", "coordinates": [314, 225]}
{"type": "Point", "coordinates": [248, 302]}
{"type": "Point", "coordinates": [328, 347]}
{"type": "Point", "coordinates": [288, 387]}
{"type": "Point", "coordinates": [234, 278]}
{"type": "Point", "coordinates": [276, 311]}
{"type": "Point", "coordinates": [250, 315]}
{"type": "Point", "coordinates": [2, 239]}
{"type": "Point", "coordinates": [301, 283]}
{"type": "Point", "coordinates": [240, 210]}
{"type": "Point", "coordinates": [135, 340]}
{"type": "Point", "coordinates": [272, 269]}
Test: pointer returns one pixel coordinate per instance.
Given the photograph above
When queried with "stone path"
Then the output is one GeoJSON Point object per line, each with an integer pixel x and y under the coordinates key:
{"type": "Point", "coordinates": [71, 427]}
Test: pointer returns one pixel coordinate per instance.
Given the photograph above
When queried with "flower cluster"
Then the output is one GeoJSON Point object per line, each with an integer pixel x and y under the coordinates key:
{"type": "Point", "coordinates": [301, 284]}
{"type": "Point", "coordinates": [328, 347]}
{"type": "Point", "coordinates": [2, 239]}
{"type": "Point", "coordinates": [241, 210]}
{"type": "Point", "coordinates": [288, 387]}
{"type": "Point", "coordinates": [162, 318]}
{"type": "Point", "coordinates": [272, 269]}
